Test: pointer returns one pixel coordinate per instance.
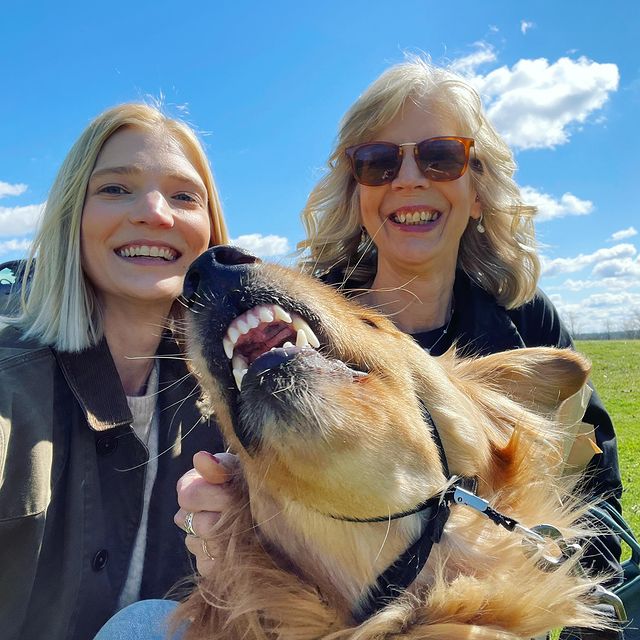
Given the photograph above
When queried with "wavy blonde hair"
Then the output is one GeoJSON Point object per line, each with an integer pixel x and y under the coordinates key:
{"type": "Point", "coordinates": [60, 307]}
{"type": "Point", "coordinates": [503, 260]}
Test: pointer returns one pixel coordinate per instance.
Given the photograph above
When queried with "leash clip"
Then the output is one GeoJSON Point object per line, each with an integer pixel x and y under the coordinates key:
{"type": "Point", "coordinates": [469, 499]}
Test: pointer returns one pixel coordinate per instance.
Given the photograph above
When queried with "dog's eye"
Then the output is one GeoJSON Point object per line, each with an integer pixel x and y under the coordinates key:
{"type": "Point", "coordinates": [370, 322]}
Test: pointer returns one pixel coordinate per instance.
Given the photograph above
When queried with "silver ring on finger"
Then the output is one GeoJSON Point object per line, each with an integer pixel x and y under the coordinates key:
{"type": "Point", "coordinates": [206, 550]}
{"type": "Point", "coordinates": [188, 524]}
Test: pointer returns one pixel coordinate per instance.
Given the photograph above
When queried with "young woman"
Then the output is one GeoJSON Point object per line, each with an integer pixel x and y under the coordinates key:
{"type": "Point", "coordinates": [97, 411]}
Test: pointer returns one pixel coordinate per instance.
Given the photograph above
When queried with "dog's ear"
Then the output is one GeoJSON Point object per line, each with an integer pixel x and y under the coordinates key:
{"type": "Point", "coordinates": [539, 378]}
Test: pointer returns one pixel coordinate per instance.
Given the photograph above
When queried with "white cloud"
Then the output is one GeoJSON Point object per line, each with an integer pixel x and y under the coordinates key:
{"type": "Point", "coordinates": [525, 26]}
{"type": "Point", "coordinates": [7, 189]}
{"type": "Point", "coordinates": [559, 266]}
{"type": "Point", "coordinates": [550, 208]}
{"type": "Point", "coordinates": [17, 221]}
{"type": "Point", "coordinates": [599, 311]}
{"type": "Point", "coordinates": [534, 103]}
{"type": "Point", "coordinates": [623, 234]}
{"type": "Point", "coordinates": [468, 64]}
{"type": "Point", "coordinates": [618, 268]}
{"type": "Point", "coordinates": [601, 283]}
{"type": "Point", "coordinates": [262, 246]}
{"type": "Point", "coordinates": [21, 245]}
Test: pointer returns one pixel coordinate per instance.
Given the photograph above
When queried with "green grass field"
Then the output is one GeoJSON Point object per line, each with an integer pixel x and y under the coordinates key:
{"type": "Point", "coordinates": [616, 376]}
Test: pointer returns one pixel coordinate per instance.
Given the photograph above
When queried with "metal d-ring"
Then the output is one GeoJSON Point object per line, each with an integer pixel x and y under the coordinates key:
{"type": "Point", "coordinates": [535, 542]}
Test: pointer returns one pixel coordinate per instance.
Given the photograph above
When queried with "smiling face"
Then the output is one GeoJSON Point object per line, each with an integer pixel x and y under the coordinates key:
{"type": "Point", "coordinates": [416, 224]}
{"type": "Point", "coordinates": [145, 219]}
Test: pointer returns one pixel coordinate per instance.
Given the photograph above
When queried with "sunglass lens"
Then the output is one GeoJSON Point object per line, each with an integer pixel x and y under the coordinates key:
{"type": "Point", "coordinates": [376, 164]}
{"type": "Point", "coordinates": [442, 160]}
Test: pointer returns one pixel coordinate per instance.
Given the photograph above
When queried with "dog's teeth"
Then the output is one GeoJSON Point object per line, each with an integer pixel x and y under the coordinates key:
{"type": "Point", "coordinates": [233, 334]}
{"type": "Point", "coordinates": [228, 347]}
{"type": "Point", "coordinates": [301, 338]}
{"type": "Point", "coordinates": [287, 345]}
{"type": "Point", "coordinates": [239, 363]}
{"type": "Point", "coordinates": [311, 337]}
{"type": "Point", "coordinates": [298, 324]}
{"type": "Point", "coordinates": [238, 375]}
{"type": "Point", "coordinates": [265, 314]}
{"type": "Point", "coordinates": [280, 314]}
{"type": "Point", "coordinates": [242, 326]}
{"type": "Point", "coordinates": [252, 319]}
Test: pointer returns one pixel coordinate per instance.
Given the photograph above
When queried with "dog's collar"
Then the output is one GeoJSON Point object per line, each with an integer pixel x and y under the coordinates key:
{"type": "Point", "coordinates": [395, 579]}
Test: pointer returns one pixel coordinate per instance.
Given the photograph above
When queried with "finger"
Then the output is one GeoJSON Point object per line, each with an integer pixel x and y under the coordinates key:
{"type": "Point", "coordinates": [204, 564]}
{"type": "Point", "coordinates": [217, 469]}
{"type": "Point", "coordinates": [203, 522]}
{"type": "Point", "coordinates": [196, 494]}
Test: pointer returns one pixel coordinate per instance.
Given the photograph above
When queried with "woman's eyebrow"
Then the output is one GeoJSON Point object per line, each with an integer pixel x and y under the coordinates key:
{"type": "Point", "coordinates": [136, 170]}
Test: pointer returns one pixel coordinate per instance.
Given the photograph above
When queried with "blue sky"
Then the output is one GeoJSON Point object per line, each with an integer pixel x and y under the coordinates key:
{"type": "Point", "coordinates": [267, 83]}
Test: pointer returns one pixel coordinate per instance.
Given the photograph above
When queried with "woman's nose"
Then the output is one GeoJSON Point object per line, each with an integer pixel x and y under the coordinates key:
{"type": "Point", "coordinates": [409, 174]}
{"type": "Point", "coordinates": [152, 208]}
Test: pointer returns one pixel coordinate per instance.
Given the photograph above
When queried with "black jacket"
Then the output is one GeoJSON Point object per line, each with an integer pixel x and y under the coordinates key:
{"type": "Point", "coordinates": [72, 481]}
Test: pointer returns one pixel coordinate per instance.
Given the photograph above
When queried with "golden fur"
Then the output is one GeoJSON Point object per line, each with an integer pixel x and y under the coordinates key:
{"type": "Point", "coordinates": [327, 441]}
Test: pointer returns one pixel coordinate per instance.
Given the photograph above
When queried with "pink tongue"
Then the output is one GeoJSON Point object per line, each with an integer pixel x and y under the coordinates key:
{"type": "Point", "coordinates": [259, 340]}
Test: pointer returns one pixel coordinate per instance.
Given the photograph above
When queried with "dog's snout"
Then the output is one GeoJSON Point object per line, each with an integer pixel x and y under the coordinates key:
{"type": "Point", "coordinates": [221, 264]}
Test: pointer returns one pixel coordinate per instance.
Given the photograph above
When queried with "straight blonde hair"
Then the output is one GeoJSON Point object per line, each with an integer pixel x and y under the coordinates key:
{"type": "Point", "coordinates": [503, 260]}
{"type": "Point", "coordinates": [59, 307]}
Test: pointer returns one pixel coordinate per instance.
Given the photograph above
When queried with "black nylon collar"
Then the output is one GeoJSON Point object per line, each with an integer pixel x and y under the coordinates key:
{"type": "Point", "coordinates": [434, 511]}
{"type": "Point", "coordinates": [393, 581]}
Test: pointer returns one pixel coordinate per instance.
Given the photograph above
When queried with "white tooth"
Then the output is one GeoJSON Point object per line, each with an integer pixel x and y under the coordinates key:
{"type": "Point", "coordinates": [251, 319]}
{"type": "Point", "coordinates": [144, 251]}
{"type": "Point", "coordinates": [424, 216]}
{"type": "Point", "coordinates": [416, 217]}
{"type": "Point", "coordinates": [164, 254]}
{"type": "Point", "coordinates": [301, 338]}
{"type": "Point", "coordinates": [242, 326]}
{"type": "Point", "coordinates": [265, 315]}
{"type": "Point", "coordinates": [402, 217]}
{"type": "Point", "coordinates": [311, 337]}
{"type": "Point", "coordinates": [299, 324]}
{"type": "Point", "coordinates": [287, 345]}
{"type": "Point", "coordinates": [280, 314]}
{"type": "Point", "coordinates": [153, 251]}
{"type": "Point", "coordinates": [238, 375]}
{"type": "Point", "coordinates": [238, 362]}
{"type": "Point", "coordinates": [227, 345]}
{"type": "Point", "coordinates": [233, 334]}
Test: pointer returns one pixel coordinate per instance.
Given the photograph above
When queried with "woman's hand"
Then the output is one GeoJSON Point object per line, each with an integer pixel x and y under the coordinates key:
{"type": "Point", "coordinates": [204, 492]}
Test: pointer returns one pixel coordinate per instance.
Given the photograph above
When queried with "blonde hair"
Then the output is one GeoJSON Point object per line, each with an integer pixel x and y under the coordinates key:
{"type": "Point", "coordinates": [60, 307]}
{"type": "Point", "coordinates": [503, 260]}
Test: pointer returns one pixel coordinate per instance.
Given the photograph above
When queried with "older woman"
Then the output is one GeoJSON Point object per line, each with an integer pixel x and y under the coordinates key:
{"type": "Point", "coordinates": [97, 410]}
{"type": "Point", "coordinates": [419, 216]}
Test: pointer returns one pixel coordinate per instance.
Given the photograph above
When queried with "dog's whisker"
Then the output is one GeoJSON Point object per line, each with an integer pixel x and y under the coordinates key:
{"type": "Point", "coordinates": [386, 536]}
{"type": "Point", "coordinates": [347, 276]}
{"type": "Point", "coordinates": [165, 451]}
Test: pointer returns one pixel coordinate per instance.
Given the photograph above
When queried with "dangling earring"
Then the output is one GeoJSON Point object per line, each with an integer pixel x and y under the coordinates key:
{"type": "Point", "coordinates": [364, 236]}
{"type": "Point", "coordinates": [480, 227]}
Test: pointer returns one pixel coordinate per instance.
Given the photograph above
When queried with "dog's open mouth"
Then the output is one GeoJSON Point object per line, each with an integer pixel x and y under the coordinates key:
{"type": "Point", "coordinates": [263, 329]}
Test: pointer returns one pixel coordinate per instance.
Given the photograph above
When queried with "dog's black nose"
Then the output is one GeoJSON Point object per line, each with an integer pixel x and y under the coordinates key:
{"type": "Point", "coordinates": [221, 265]}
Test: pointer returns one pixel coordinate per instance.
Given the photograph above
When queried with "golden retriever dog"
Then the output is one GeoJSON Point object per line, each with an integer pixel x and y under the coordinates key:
{"type": "Point", "coordinates": [345, 525]}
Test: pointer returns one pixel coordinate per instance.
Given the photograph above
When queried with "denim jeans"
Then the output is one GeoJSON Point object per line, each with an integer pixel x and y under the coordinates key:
{"type": "Point", "coordinates": [144, 620]}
